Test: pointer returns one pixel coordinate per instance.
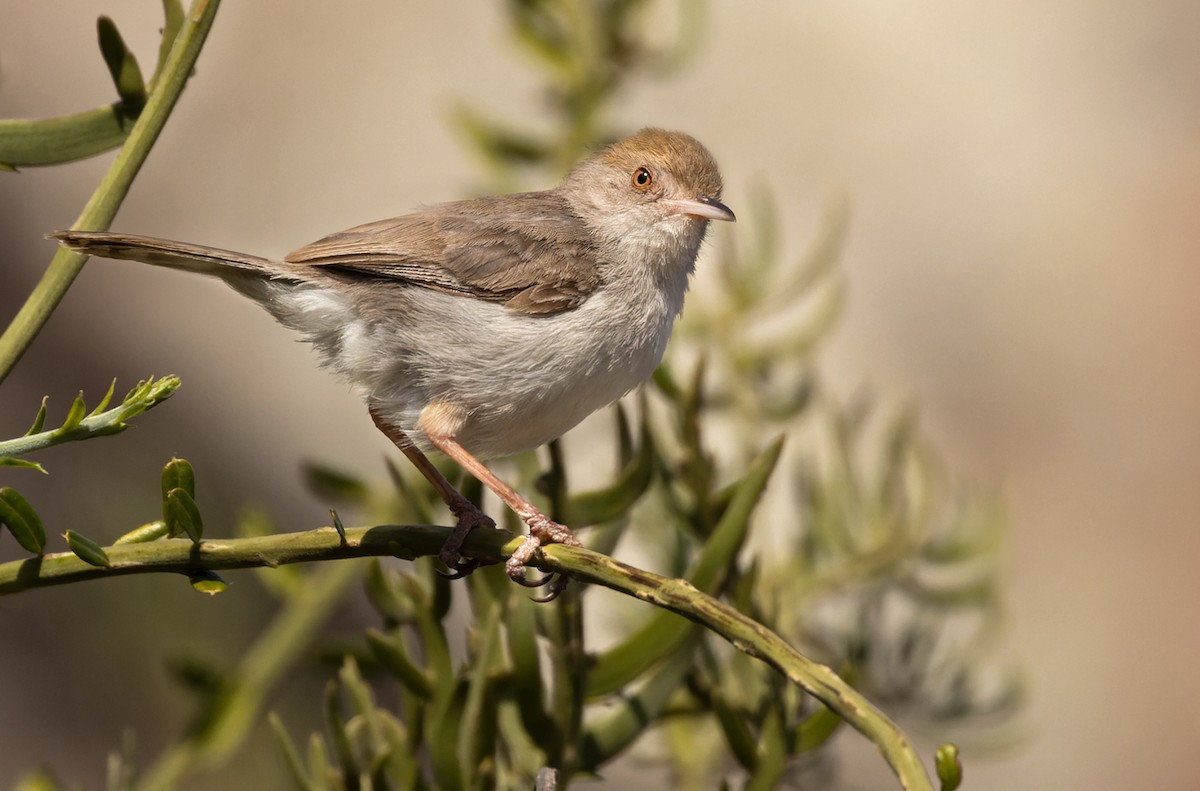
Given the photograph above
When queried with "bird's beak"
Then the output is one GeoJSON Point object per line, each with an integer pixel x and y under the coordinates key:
{"type": "Point", "coordinates": [704, 208]}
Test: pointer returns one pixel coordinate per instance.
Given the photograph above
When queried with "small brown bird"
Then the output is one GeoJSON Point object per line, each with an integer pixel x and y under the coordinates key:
{"type": "Point", "coordinates": [488, 326]}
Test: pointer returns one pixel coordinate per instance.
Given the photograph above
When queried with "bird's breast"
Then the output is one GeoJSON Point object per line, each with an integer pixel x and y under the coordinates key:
{"type": "Point", "coordinates": [521, 379]}
{"type": "Point", "coordinates": [556, 370]}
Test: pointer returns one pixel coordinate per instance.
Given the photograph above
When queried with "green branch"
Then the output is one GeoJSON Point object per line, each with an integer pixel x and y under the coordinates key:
{"type": "Point", "coordinates": [410, 541]}
{"type": "Point", "coordinates": [79, 424]}
{"type": "Point", "coordinates": [183, 556]}
{"type": "Point", "coordinates": [102, 207]}
{"type": "Point", "coordinates": [750, 637]}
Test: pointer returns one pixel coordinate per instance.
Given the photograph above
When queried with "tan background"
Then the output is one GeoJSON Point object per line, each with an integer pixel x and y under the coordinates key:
{"type": "Point", "coordinates": [1022, 263]}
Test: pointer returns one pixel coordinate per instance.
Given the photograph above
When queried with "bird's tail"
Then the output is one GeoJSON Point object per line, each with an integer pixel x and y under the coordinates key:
{"type": "Point", "coordinates": [295, 298]}
{"type": "Point", "coordinates": [163, 252]}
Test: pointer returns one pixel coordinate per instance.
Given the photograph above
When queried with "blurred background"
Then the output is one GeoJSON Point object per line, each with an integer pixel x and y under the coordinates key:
{"type": "Point", "coordinates": [1024, 184]}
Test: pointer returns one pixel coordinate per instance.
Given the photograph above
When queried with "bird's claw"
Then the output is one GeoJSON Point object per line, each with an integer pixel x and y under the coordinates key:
{"type": "Point", "coordinates": [542, 530]}
{"type": "Point", "coordinates": [460, 568]}
{"type": "Point", "coordinates": [469, 517]}
{"type": "Point", "coordinates": [557, 584]}
{"type": "Point", "coordinates": [524, 582]}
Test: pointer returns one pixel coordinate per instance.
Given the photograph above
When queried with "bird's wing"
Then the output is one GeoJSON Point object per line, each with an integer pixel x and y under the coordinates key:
{"type": "Point", "coordinates": [527, 251]}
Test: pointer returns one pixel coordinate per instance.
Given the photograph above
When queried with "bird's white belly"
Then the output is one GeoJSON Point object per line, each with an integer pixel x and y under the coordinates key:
{"type": "Point", "coordinates": [522, 380]}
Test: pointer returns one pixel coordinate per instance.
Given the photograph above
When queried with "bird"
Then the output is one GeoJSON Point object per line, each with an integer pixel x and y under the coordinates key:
{"type": "Point", "coordinates": [483, 327]}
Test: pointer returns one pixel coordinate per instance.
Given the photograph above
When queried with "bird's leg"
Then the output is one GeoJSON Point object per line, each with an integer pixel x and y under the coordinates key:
{"type": "Point", "coordinates": [542, 529]}
{"type": "Point", "coordinates": [466, 513]}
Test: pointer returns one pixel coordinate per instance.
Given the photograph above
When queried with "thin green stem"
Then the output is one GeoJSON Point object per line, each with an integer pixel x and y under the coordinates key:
{"type": "Point", "coordinates": [102, 207]}
{"type": "Point", "coordinates": [99, 423]}
{"type": "Point", "coordinates": [182, 556]}
{"type": "Point", "coordinates": [568, 686]}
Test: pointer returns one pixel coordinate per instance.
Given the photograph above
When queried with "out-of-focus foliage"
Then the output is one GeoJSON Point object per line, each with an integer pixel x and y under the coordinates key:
{"type": "Point", "coordinates": [51, 141]}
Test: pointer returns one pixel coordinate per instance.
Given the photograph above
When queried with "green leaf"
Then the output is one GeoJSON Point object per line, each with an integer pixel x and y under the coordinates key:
{"type": "Point", "coordinates": [444, 712]}
{"type": "Point", "coordinates": [632, 714]}
{"type": "Point", "coordinates": [405, 767]}
{"type": "Point", "coordinates": [612, 502]}
{"type": "Point", "coordinates": [29, 465]}
{"type": "Point", "coordinates": [330, 484]}
{"type": "Point", "coordinates": [392, 653]}
{"type": "Point", "coordinates": [87, 550]}
{"type": "Point", "coordinates": [103, 405]}
{"type": "Point", "coordinates": [665, 632]}
{"type": "Point", "coordinates": [819, 262]}
{"type": "Point", "coordinates": [52, 141]}
{"type": "Point", "coordinates": [416, 499]}
{"type": "Point", "coordinates": [544, 34]}
{"type": "Point", "coordinates": [527, 680]}
{"type": "Point", "coordinates": [742, 742]}
{"type": "Point", "coordinates": [74, 417]}
{"type": "Point", "coordinates": [40, 419]}
{"type": "Point", "coordinates": [949, 767]}
{"type": "Point", "coordinates": [363, 701]}
{"type": "Point", "coordinates": [664, 380]}
{"type": "Point", "coordinates": [182, 515]}
{"type": "Point", "coordinates": [122, 65]}
{"type": "Point", "coordinates": [21, 520]}
{"type": "Point", "coordinates": [208, 582]}
{"type": "Point", "coordinates": [445, 725]}
{"type": "Point", "coordinates": [815, 730]}
{"type": "Point", "coordinates": [178, 474]}
{"type": "Point", "coordinates": [435, 645]}
{"type": "Point", "coordinates": [477, 731]}
{"type": "Point", "coordinates": [318, 759]}
{"type": "Point", "coordinates": [147, 394]}
{"type": "Point", "coordinates": [389, 599]}
{"type": "Point", "coordinates": [291, 755]}
{"type": "Point", "coordinates": [496, 143]}
{"type": "Point", "coordinates": [772, 753]}
{"type": "Point", "coordinates": [151, 531]}
{"type": "Point", "coordinates": [342, 747]}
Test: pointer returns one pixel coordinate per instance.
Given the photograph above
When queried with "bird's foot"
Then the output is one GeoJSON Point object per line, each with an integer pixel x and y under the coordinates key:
{"type": "Point", "coordinates": [542, 531]}
{"type": "Point", "coordinates": [469, 517]}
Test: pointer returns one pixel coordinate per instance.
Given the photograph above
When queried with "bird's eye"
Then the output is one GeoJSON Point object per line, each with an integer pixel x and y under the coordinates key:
{"type": "Point", "coordinates": [642, 178]}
